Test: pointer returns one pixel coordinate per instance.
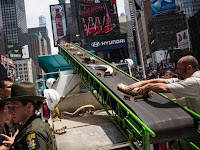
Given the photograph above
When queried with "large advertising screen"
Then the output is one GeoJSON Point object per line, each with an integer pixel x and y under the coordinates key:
{"type": "Point", "coordinates": [183, 39]}
{"type": "Point", "coordinates": [108, 42]}
{"type": "Point", "coordinates": [25, 52]}
{"type": "Point", "coordinates": [59, 25]}
{"type": "Point", "coordinates": [159, 6]}
{"type": "Point", "coordinates": [98, 17]}
{"type": "Point", "coordinates": [18, 52]}
{"type": "Point", "coordinates": [14, 52]}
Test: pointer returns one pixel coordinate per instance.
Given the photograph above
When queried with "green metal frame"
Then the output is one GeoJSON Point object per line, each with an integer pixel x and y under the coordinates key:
{"type": "Point", "coordinates": [128, 123]}
{"type": "Point", "coordinates": [192, 113]}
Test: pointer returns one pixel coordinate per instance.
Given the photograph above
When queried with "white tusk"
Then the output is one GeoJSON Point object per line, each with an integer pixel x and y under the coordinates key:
{"type": "Point", "coordinates": [107, 68]}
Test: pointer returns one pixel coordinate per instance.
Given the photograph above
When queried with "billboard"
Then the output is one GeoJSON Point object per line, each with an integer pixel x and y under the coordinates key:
{"type": "Point", "coordinates": [159, 6]}
{"type": "Point", "coordinates": [98, 17]}
{"type": "Point", "coordinates": [25, 51]}
{"type": "Point", "coordinates": [59, 26]}
{"type": "Point", "coordinates": [108, 42]}
{"type": "Point", "coordinates": [183, 39]}
{"type": "Point", "coordinates": [14, 52]}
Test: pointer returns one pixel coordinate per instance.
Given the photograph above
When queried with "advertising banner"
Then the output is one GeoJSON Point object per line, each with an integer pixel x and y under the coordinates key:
{"type": "Point", "coordinates": [108, 42]}
{"type": "Point", "coordinates": [59, 25]}
{"type": "Point", "coordinates": [98, 17]}
{"type": "Point", "coordinates": [25, 51]}
{"type": "Point", "coordinates": [159, 6]}
{"type": "Point", "coordinates": [15, 52]}
{"type": "Point", "coordinates": [183, 39]}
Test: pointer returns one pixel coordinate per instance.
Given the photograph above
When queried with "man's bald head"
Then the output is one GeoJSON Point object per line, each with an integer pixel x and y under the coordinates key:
{"type": "Point", "coordinates": [186, 66]}
{"type": "Point", "coordinates": [189, 60]}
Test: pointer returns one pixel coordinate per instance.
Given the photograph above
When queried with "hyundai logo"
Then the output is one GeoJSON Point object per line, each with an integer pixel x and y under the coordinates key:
{"type": "Point", "coordinates": [95, 44]}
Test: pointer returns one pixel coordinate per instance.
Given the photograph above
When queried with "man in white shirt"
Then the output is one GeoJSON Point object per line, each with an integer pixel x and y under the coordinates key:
{"type": "Point", "coordinates": [186, 85]}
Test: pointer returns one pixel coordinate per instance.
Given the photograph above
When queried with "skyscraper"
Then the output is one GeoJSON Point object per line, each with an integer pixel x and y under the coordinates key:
{"type": "Point", "coordinates": [14, 22]}
{"type": "Point", "coordinates": [163, 29]}
{"type": "Point", "coordinates": [42, 21]}
{"type": "Point", "coordinates": [196, 6]}
{"type": "Point", "coordinates": [194, 27]}
{"type": "Point", "coordinates": [189, 7]}
{"type": "Point", "coordinates": [44, 32]}
{"type": "Point", "coordinates": [35, 49]}
{"type": "Point", "coordinates": [2, 45]}
{"type": "Point", "coordinates": [72, 21]}
{"type": "Point", "coordinates": [130, 27]}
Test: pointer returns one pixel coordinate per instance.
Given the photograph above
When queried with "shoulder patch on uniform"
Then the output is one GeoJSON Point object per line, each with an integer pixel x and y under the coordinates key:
{"type": "Point", "coordinates": [32, 141]}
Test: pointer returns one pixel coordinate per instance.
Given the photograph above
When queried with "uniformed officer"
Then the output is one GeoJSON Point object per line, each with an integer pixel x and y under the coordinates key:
{"type": "Point", "coordinates": [34, 133]}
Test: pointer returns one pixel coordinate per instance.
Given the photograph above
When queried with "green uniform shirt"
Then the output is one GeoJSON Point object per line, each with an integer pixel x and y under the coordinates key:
{"type": "Point", "coordinates": [34, 134]}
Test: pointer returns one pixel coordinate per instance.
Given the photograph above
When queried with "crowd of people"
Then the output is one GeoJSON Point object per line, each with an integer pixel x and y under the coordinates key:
{"type": "Point", "coordinates": [160, 70]}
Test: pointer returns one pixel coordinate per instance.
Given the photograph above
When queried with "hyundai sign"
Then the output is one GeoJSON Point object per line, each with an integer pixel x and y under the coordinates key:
{"type": "Point", "coordinates": [159, 6]}
{"type": "Point", "coordinates": [109, 42]}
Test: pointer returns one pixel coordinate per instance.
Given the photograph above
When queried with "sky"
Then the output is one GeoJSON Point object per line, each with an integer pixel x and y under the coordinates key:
{"type": "Point", "coordinates": [36, 8]}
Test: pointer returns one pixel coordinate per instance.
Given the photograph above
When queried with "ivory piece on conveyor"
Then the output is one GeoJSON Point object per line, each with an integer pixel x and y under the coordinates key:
{"type": "Point", "coordinates": [89, 60]}
{"type": "Point", "coordinates": [106, 68]}
{"type": "Point", "coordinates": [71, 48]}
{"type": "Point", "coordinates": [124, 88]}
{"type": "Point", "coordinates": [79, 54]}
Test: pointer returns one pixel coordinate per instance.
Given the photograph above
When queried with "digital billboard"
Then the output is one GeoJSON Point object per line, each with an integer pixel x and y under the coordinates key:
{"type": "Point", "coordinates": [25, 52]}
{"type": "Point", "coordinates": [59, 26]}
{"type": "Point", "coordinates": [98, 17]}
{"type": "Point", "coordinates": [108, 42]}
{"type": "Point", "coordinates": [18, 52]}
{"type": "Point", "coordinates": [183, 39]}
{"type": "Point", "coordinates": [159, 6]}
{"type": "Point", "coordinates": [14, 51]}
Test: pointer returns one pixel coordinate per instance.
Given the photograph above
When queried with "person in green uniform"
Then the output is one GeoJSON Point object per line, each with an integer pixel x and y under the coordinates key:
{"type": "Point", "coordinates": [34, 133]}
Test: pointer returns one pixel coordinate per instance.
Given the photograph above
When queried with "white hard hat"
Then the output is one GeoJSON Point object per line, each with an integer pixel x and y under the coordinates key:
{"type": "Point", "coordinates": [50, 82]}
{"type": "Point", "coordinates": [52, 97]}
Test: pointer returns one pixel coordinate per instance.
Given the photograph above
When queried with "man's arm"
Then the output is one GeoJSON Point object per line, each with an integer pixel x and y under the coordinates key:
{"type": "Point", "coordinates": [156, 87]}
{"type": "Point", "coordinates": [145, 82]}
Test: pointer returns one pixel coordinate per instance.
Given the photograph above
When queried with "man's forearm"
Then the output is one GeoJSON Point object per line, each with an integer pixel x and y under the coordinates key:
{"type": "Point", "coordinates": [158, 87]}
{"type": "Point", "coordinates": [157, 80]}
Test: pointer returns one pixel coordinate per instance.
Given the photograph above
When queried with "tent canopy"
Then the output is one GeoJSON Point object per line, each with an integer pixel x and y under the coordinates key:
{"type": "Point", "coordinates": [53, 63]}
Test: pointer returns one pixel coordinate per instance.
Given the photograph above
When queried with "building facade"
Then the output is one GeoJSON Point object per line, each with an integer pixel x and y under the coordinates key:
{"type": "Point", "coordinates": [25, 70]}
{"type": "Point", "coordinates": [194, 26]}
{"type": "Point", "coordinates": [2, 44]}
{"type": "Point", "coordinates": [44, 33]}
{"type": "Point", "coordinates": [35, 49]}
{"type": "Point", "coordinates": [42, 21]}
{"type": "Point", "coordinates": [189, 7]}
{"type": "Point", "coordinates": [143, 33]}
{"type": "Point", "coordinates": [44, 46]}
{"type": "Point", "coordinates": [72, 22]}
{"type": "Point", "coordinates": [128, 6]}
{"type": "Point", "coordinates": [163, 29]}
{"type": "Point", "coordinates": [122, 24]}
{"type": "Point", "coordinates": [14, 22]}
